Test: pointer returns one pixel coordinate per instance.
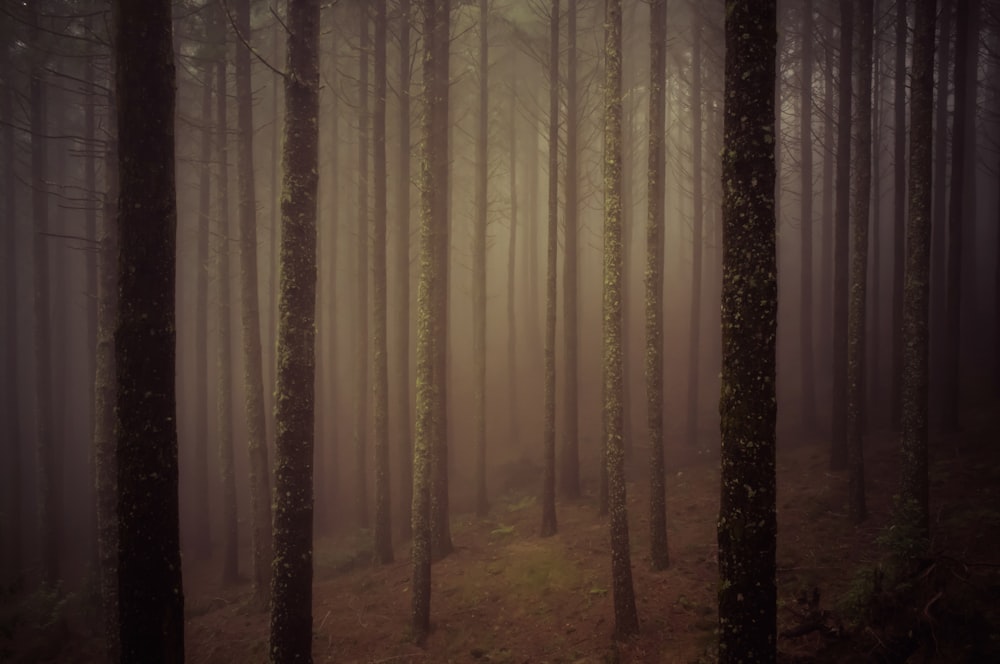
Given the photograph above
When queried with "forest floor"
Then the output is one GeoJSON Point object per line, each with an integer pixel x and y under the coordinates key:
{"type": "Point", "coordinates": [507, 595]}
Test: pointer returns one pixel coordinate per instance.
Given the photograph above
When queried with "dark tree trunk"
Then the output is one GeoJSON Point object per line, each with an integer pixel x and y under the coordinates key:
{"type": "Point", "coordinates": [380, 361]}
{"type": "Point", "coordinates": [626, 619]}
{"type": "Point", "coordinates": [225, 414]}
{"type": "Point", "coordinates": [898, 216]}
{"type": "Point", "coordinates": [253, 380]}
{"type": "Point", "coordinates": [90, 287]}
{"type": "Point", "coordinates": [654, 283]}
{"type": "Point", "coordinates": [912, 512]}
{"type": "Point", "coordinates": [361, 357]}
{"type": "Point", "coordinates": [950, 383]}
{"type": "Point", "coordinates": [570, 453]}
{"type": "Point", "coordinates": [747, 519]}
{"type": "Point", "coordinates": [49, 517]}
{"type": "Point", "coordinates": [291, 589]}
{"type": "Point", "coordinates": [806, 223]}
{"type": "Point", "coordinates": [829, 221]}
{"type": "Point", "coordinates": [856, 324]}
{"type": "Point", "coordinates": [838, 443]}
{"type": "Point", "coordinates": [549, 523]}
{"type": "Point", "coordinates": [151, 602]}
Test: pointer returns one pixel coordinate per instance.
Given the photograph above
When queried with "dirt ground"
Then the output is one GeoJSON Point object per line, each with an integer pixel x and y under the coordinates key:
{"type": "Point", "coordinates": [508, 596]}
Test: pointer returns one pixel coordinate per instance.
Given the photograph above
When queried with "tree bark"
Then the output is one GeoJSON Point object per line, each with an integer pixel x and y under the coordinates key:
{"type": "Point", "coordinates": [747, 522]}
{"type": "Point", "coordinates": [361, 357]}
{"type": "Point", "coordinates": [898, 217]}
{"type": "Point", "coordinates": [626, 619]}
{"type": "Point", "coordinates": [479, 268]}
{"type": "Point", "coordinates": [806, 224]}
{"type": "Point", "coordinates": [694, 320]}
{"type": "Point", "coordinates": [151, 601]}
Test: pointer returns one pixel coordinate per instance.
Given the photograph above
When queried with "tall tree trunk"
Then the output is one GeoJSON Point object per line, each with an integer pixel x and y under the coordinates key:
{"type": "Point", "coordinates": [694, 330]}
{"type": "Point", "coordinates": [49, 516]}
{"type": "Point", "coordinates": [12, 431]}
{"type": "Point", "coordinates": [380, 360]}
{"type": "Point", "coordinates": [202, 543]}
{"type": "Point", "coordinates": [514, 414]}
{"type": "Point", "coordinates": [479, 268]}
{"type": "Point", "coordinates": [291, 615]}
{"type": "Point", "coordinates": [747, 522]}
{"type": "Point", "coordinates": [626, 619]}
{"type": "Point", "coordinates": [570, 457]}
{"type": "Point", "coordinates": [433, 154]}
{"type": "Point", "coordinates": [856, 324]}
{"type": "Point", "coordinates": [401, 260]}
{"type": "Point", "coordinates": [549, 523]}
{"type": "Point", "coordinates": [654, 283]}
{"type": "Point", "coordinates": [90, 288]}
{"type": "Point", "coordinates": [151, 601]}
{"type": "Point", "coordinates": [898, 217]}
{"type": "Point", "coordinates": [224, 405]}
{"type": "Point", "coordinates": [838, 443]}
{"type": "Point", "coordinates": [951, 385]}
{"type": "Point", "coordinates": [806, 222]}
{"type": "Point", "coordinates": [106, 396]}
{"type": "Point", "coordinates": [361, 357]}
{"type": "Point", "coordinates": [913, 510]}
{"type": "Point", "coordinates": [830, 166]}
{"type": "Point", "coordinates": [441, 544]}
{"type": "Point", "coordinates": [253, 380]}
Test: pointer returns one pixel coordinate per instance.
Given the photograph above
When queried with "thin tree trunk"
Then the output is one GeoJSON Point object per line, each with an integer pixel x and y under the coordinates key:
{"type": "Point", "coordinates": [383, 516]}
{"type": "Point", "coordinates": [856, 324]}
{"type": "Point", "coordinates": [514, 414]}
{"type": "Point", "coordinates": [806, 223]}
{"type": "Point", "coordinates": [479, 268]}
{"type": "Point", "coordinates": [253, 380]}
{"type": "Point", "coordinates": [654, 283]}
{"type": "Point", "coordinates": [90, 288]}
{"type": "Point", "coordinates": [838, 443]}
{"type": "Point", "coordinates": [694, 330]}
{"type": "Point", "coordinates": [570, 466]}
{"type": "Point", "coordinates": [361, 357]}
{"type": "Point", "coordinates": [829, 169]}
{"type": "Point", "coordinates": [898, 217]}
{"type": "Point", "coordinates": [549, 523]}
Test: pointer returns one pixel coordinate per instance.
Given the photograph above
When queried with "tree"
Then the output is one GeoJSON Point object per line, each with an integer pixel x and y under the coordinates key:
{"type": "Point", "coordinates": [626, 619]}
{"type": "Point", "coordinates": [806, 223]}
{"type": "Point", "coordinates": [838, 444]}
{"type": "Point", "coordinates": [361, 357]}
{"type": "Point", "coordinates": [570, 461]}
{"type": "Point", "coordinates": [224, 406]}
{"type": "Point", "coordinates": [549, 526]}
{"type": "Point", "coordinates": [383, 523]}
{"type": "Point", "coordinates": [913, 511]}
{"type": "Point", "coordinates": [898, 217]}
{"type": "Point", "coordinates": [433, 156]}
{"type": "Point", "coordinates": [260, 492]}
{"type": "Point", "coordinates": [291, 590]}
{"type": "Point", "coordinates": [694, 336]}
{"type": "Point", "coordinates": [747, 518]}
{"type": "Point", "coordinates": [856, 326]}
{"type": "Point", "coordinates": [151, 600]}
{"type": "Point", "coordinates": [479, 267]}
{"type": "Point", "coordinates": [654, 283]}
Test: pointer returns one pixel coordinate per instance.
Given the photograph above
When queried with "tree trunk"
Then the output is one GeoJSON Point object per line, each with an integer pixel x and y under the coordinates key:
{"type": "Point", "coordinates": [694, 330]}
{"type": "Point", "coordinates": [570, 461]}
{"type": "Point", "coordinates": [90, 287]}
{"type": "Point", "coordinates": [401, 260]}
{"type": "Point", "coordinates": [747, 517]}
{"type": "Point", "coordinates": [479, 269]}
{"type": "Point", "coordinates": [151, 602]}
{"type": "Point", "coordinates": [654, 283]}
{"type": "Point", "coordinates": [514, 413]}
{"type": "Point", "coordinates": [838, 444]}
{"type": "Point", "coordinates": [806, 223]}
{"type": "Point", "coordinates": [898, 217]}
{"type": "Point", "coordinates": [383, 517]}
{"type": "Point", "coordinates": [913, 512]}
{"type": "Point", "coordinates": [361, 357]}
{"type": "Point", "coordinates": [626, 619]}
{"type": "Point", "coordinates": [260, 492]}
{"type": "Point", "coordinates": [856, 324]}
{"type": "Point", "coordinates": [829, 169]}
{"type": "Point", "coordinates": [224, 405]}
{"type": "Point", "coordinates": [549, 523]}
